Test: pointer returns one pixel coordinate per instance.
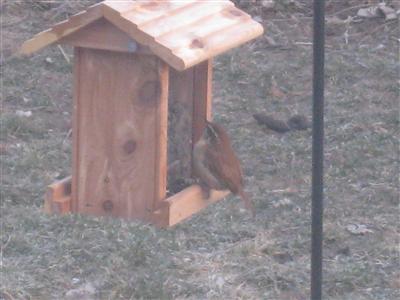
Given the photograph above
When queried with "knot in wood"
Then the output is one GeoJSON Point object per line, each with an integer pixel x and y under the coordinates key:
{"type": "Point", "coordinates": [129, 146]}
{"type": "Point", "coordinates": [235, 12]}
{"type": "Point", "coordinates": [150, 92]}
{"type": "Point", "coordinates": [154, 5]}
{"type": "Point", "coordinates": [108, 205]}
{"type": "Point", "coordinates": [197, 43]}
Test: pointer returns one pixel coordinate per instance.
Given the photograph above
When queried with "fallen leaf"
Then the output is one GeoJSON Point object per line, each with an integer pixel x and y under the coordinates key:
{"type": "Point", "coordinates": [299, 122]}
{"type": "Point", "coordinates": [275, 90]}
{"type": "Point", "coordinates": [358, 229]}
{"type": "Point", "coordinates": [271, 123]}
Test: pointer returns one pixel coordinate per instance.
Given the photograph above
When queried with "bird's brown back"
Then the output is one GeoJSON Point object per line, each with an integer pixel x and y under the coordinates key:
{"type": "Point", "coordinates": [224, 163]}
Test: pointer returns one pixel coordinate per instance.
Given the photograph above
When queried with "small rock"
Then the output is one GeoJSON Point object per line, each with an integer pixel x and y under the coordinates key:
{"type": "Point", "coordinates": [268, 4]}
{"type": "Point", "coordinates": [369, 12]}
{"type": "Point", "coordinates": [85, 292]}
{"type": "Point", "coordinates": [220, 282]}
{"type": "Point", "coordinates": [75, 280]}
{"type": "Point", "coordinates": [21, 113]}
{"type": "Point", "coordinates": [388, 12]}
{"type": "Point", "coordinates": [283, 202]}
{"type": "Point", "coordinates": [358, 229]}
{"type": "Point", "coordinates": [377, 11]}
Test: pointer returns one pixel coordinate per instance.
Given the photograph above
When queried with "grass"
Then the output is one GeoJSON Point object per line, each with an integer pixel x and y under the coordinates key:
{"type": "Point", "coordinates": [221, 252]}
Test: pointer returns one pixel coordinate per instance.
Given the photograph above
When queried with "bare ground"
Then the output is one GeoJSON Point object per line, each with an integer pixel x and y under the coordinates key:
{"type": "Point", "coordinates": [220, 253]}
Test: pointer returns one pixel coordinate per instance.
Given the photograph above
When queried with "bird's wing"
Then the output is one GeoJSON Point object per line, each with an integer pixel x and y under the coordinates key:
{"type": "Point", "coordinates": [225, 166]}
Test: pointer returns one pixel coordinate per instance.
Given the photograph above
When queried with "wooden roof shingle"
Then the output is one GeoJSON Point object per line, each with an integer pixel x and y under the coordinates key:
{"type": "Point", "coordinates": [182, 33]}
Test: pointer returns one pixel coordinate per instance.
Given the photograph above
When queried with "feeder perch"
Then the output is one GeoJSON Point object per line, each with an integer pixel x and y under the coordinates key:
{"type": "Point", "coordinates": [142, 92]}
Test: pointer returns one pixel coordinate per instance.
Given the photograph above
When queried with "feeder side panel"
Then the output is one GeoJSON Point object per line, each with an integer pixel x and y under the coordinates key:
{"type": "Point", "coordinates": [121, 125]}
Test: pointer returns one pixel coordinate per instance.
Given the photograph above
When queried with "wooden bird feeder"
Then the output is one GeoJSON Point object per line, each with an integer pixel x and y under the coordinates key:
{"type": "Point", "coordinates": [142, 93]}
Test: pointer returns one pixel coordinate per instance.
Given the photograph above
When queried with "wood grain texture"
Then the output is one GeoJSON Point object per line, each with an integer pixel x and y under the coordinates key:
{"type": "Point", "coordinates": [75, 127]}
{"type": "Point", "coordinates": [58, 197]}
{"type": "Point", "coordinates": [199, 48]}
{"type": "Point", "coordinates": [184, 204]}
{"type": "Point", "coordinates": [101, 34]}
{"type": "Point", "coordinates": [185, 33]}
{"type": "Point", "coordinates": [202, 98]}
{"type": "Point", "coordinates": [201, 28]}
{"type": "Point", "coordinates": [145, 12]}
{"type": "Point", "coordinates": [122, 121]}
{"type": "Point", "coordinates": [178, 19]}
{"type": "Point", "coordinates": [182, 33]}
{"type": "Point", "coordinates": [180, 117]}
{"type": "Point", "coordinates": [161, 137]}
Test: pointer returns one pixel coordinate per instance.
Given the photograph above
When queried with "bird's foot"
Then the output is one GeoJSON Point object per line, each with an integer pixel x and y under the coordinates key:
{"type": "Point", "coordinates": [205, 191]}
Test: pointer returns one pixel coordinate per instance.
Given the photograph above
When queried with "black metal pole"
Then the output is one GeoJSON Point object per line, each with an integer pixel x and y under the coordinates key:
{"type": "Point", "coordinates": [317, 149]}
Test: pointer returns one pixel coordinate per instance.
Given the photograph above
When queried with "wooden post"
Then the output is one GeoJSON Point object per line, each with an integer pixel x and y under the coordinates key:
{"type": "Point", "coordinates": [202, 97]}
{"type": "Point", "coordinates": [75, 129]}
{"type": "Point", "coordinates": [161, 136]}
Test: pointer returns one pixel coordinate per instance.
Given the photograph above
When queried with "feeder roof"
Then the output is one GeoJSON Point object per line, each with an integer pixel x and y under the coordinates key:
{"type": "Point", "coordinates": [182, 33]}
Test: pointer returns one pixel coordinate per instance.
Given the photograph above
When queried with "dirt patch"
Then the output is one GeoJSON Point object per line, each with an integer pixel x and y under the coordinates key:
{"type": "Point", "coordinates": [221, 252]}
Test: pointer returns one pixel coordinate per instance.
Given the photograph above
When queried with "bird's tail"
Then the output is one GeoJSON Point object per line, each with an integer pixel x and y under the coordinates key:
{"type": "Point", "coordinates": [247, 202]}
